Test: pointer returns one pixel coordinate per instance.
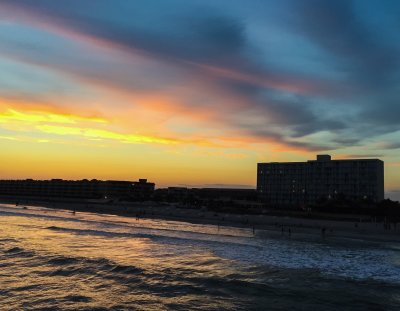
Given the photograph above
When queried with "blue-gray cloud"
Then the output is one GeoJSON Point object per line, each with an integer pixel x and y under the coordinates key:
{"type": "Point", "coordinates": [337, 28]}
{"type": "Point", "coordinates": [220, 44]}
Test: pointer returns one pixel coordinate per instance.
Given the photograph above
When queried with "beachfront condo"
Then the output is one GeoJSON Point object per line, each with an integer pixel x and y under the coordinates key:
{"type": "Point", "coordinates": [301, 183]}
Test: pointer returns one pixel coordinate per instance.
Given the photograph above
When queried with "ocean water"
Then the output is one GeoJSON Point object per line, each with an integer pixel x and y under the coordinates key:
{"type": "Point", "coordinates": [56, 260]}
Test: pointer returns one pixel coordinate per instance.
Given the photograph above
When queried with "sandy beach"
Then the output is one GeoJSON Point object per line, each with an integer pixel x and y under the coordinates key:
{"type": "Point", "coordinates": [270, 225]}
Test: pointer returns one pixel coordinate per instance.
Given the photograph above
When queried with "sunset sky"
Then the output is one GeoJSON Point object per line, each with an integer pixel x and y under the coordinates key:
{"type": "Point", "coordinates": [196, 92]}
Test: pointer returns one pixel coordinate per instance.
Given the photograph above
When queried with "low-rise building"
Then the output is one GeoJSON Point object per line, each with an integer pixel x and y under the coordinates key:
{"type": "Point", "coordinates": [143, 188]}
{"type": "Point", "coordinates": [85, 189]}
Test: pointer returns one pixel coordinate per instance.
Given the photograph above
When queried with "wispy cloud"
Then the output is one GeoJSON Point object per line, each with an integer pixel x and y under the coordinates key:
{"type": "Point", "coordinates": [102, 134]}
{"type": "Point", "coordinates": [73, 125]}
{"type": "Point", "coordinates": [41, 117]}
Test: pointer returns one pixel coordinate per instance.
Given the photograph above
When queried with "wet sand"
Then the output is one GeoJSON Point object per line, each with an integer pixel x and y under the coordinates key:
{"type": "Point", "coordinates": [260, 224]}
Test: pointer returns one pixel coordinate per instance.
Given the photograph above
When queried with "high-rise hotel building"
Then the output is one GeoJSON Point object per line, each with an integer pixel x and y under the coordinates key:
{"type": "Point", "coordinates": [300, 183]}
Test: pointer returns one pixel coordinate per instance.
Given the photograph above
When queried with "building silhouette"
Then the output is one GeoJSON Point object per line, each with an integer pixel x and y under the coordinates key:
{"type": "Point", "coordinates": [78, 189]}
{"type": "Point", "coordinates": [301, 183]}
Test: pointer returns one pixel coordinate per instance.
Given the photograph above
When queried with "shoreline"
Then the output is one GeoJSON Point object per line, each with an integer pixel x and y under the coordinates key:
{"type": "Point", "coordinates": [268, 225]}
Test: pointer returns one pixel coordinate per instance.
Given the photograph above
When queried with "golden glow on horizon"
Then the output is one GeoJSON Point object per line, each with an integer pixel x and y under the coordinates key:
{"type": "Point", "coordinates": [56, 123]}
{"type": "Point", "coordinates": [43, 140]}
{"type": "Point", "coordinates": [45, 123]}
{"type": "Point", "coordinates": [41, 116]}
{"type": "Point", "coordinates": [102, 134]}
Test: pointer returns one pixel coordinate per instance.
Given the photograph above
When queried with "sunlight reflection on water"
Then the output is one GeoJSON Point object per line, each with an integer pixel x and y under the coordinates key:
{"type": "Point", "coordinates": [53, 259]}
